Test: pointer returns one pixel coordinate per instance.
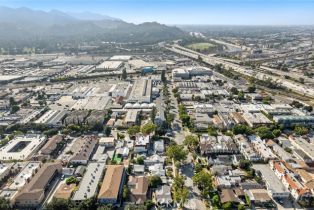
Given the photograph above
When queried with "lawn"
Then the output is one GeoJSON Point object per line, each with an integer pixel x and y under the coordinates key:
{"type": "Point", "coordinates": [201, 46]}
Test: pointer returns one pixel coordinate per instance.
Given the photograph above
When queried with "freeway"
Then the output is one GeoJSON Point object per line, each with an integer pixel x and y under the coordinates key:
{"type": "Point", "coordinates": [301, 89]}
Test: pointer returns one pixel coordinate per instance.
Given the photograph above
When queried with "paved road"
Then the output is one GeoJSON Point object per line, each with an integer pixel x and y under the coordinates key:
{"type": "Point", "coordinates": [194, 200]}
{"type": "Point", "coordinates": [302, 89]}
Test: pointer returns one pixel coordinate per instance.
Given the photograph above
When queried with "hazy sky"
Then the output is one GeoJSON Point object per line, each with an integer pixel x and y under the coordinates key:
{"type": "Point", "coordinates": [248, 12]}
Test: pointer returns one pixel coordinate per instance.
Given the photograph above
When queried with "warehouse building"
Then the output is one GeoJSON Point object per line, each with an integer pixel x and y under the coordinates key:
{"type": "Point", "coordinates": [141, 91]}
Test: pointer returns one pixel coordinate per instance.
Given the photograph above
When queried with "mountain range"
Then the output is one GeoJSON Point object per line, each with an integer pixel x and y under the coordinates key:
{"type": "Point", "coordinates": [20, 24]}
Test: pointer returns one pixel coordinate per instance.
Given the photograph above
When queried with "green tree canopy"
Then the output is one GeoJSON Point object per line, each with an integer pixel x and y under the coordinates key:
{"type": "Point", "coordinates": [148, 128]}
{"type": "Point", "coordinates": [191, 141]}
{"type": "Point", "coordinates": [301, 130]}
{"type": "Point", "coordinates": [154, 181]}
{"type": "Point", "coordinates": [57, 204]}
{"type": "Point", "coordinates": [133, 130]}
{"type": "Point", "coordinates": [177, 152]}
{"type": "Point", "coordinates": [203, 180]}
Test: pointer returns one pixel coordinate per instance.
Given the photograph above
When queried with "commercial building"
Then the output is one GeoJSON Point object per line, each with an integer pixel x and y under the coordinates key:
{"type": "Point", "coordinates": [188, 72]}
{"type": "Point", "coordinates": [52, 117]}
{"type": "Point", "coordinates": [112, 185]}
{"type": "Point", "coordinates": [109, 66]}
{"type": "Point", "coordinates": [22, 147]}
{"type": "Point", "coordinates": [89, 183]}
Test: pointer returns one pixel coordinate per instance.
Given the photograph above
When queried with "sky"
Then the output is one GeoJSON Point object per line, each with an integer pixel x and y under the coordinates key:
{"type": "Point", "coordinates": [220, 12]}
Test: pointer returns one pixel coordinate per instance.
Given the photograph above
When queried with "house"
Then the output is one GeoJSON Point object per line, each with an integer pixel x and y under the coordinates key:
{"type": "Point", "coordinates": [138, 186]}
{"type": "Point", "coordinates": [154, 159]}
{"type": "Point", "coordinates": [141, 143]}
{"type": "Point", "coordinates": [159, 146]}
{"type": "Point", "coordinates": [107, 141]}
{"type": "Point", "coordinates": [163, 196]}
{"type": "Point", "coordinates": [227, 195]}
{"type": "Point", "coordinates": [34, 192]}
{"type": "Point", "coordinates": [64, 191]}
{"type": "Point", "coordinates": [157, 169]}
{"type": "Point", "coordinates": [259, 197]}
{"type": "Point", "coordinates": [112, 185]}
{"type": "Point", "coordinates": [138, 169]}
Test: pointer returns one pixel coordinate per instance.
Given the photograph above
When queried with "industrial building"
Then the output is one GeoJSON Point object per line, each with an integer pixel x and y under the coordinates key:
{"type": "Point", "coordinates": [141, 91]}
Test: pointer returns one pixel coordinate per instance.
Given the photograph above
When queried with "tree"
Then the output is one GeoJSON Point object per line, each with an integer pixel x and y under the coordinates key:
{"type": "Point", "coordinates": [177, 152]}
{"type": "Point", "coordinates": [301, 130]}
{"type": "Point", "coordinates": [241, 207]}
{"type": "Point", "coordinates": [241, 95]}
{"type": "Point", "coordinates": [234, 90]}
{"type": "Point", "coordinates": [191, 141]}
{"type": "Point", "coordinates": [216, 200]}
{"type": "Point", "coordinates": [133, 130]}
{"type": "Point", "coordinates": [264, 132]}
{"type": "Point", "coordinates": [245, 164]}
{"type": "Point", "coordinates": [124, 74]}
{"type": "Point", "coordinates": [154, 181]}
{"type": "Point", "coordinates": [57, 204]}
{"type": "Point", "coordinates": [212, 131]}
{"type": "Point", "coordinates": [251, 88]}
{"type": "Point", "coordinates": [227, 205]}
{"type": "Point", "coordinates": [12, 101]}
{"type": "Point", "coordinates": [163, 76]}
{"type": "Point", "coordinates": [5, 204]}
{"type": "Point", "coordinates": [140, 160]}
{"type": "Point", "coordinates": [153, 114]}
{"type": "Point", "coordinates": [308, 108]}
{"type": "Point", "coordinates": [71, 180]}
{"type": "Point", "coordinates": [276, 132]}
{"type": "Point", "coordinates": [126, 192]}
{"type": "Point", "coordinates": [148, 128]}
{"type": "Point", "coordinates": [14, 109]}
{"type": "Point", "coordinates": [181, 195]}
{"type": "Point", "coordinates": [181, 192]}
{"type": "Point", "coordinates": [203, 180]}
{"type": "Point", "coordinates": [198, 167]}
{"type": "Point", "coordinates": [242, 129]}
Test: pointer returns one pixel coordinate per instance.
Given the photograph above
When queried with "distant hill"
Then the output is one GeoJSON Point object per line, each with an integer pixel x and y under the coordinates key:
{"type": "Point", "coordinates": [90, 16]}
{"type": "Point", "coordinates": [25, 24]}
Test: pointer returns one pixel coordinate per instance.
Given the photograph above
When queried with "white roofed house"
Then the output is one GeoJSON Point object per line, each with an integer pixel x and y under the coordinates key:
{"type": "Point", "coordinates": [159, 146]}
{"type": "Point", "coordinates": [163, 196]}
{"type": "Point", "coordinates": [142, 143]}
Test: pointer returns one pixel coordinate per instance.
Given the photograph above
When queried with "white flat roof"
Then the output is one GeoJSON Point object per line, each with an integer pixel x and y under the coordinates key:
{"type": "Point", "coordinates": [21, 147]}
